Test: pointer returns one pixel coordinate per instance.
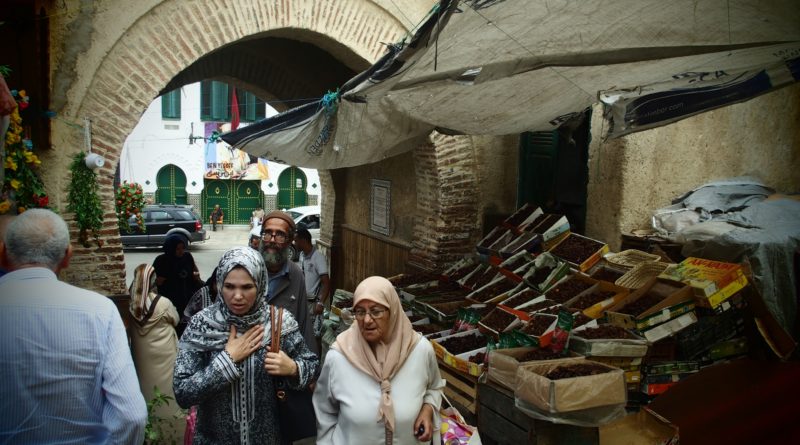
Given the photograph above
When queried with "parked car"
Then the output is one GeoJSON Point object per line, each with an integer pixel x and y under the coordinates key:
{"type": "Point", "coordinates": [161, 220]}
{"type": "Point", "coordinates": [308, 217]}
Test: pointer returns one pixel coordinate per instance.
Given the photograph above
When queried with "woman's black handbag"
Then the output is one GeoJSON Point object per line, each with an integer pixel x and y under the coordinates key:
{"type": "Point", "coordinates": [295, 408]}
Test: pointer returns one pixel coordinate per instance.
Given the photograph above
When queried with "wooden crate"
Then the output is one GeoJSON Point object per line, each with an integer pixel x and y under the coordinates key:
{"type": "Point", "coordinates": [461, 390]}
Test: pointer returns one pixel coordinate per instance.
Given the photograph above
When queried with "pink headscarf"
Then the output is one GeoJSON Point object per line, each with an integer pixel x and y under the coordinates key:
{"type": "Point", "coordinates": [389, 355]}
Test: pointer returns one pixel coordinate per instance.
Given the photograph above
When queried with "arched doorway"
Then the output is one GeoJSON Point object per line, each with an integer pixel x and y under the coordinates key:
{"type": "Point", "coordinates": [292, 185]}
{"type": "Point", "coordinates": [171, 183]}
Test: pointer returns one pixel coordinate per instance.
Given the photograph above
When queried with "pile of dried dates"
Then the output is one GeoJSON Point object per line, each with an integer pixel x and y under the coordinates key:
{"type": "Point", "coordinates": [576, 370]}
{"type": "Point", "coordinates": [464, 343]}
{"type": "Point", "coordinates": [604, 331]}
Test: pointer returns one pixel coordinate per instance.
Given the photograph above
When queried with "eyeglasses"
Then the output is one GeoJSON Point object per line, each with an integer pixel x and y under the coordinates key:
{"type": "Point", "coordinates": [278, 236]}
{"type": "Point", "coordinates": [375, 313]}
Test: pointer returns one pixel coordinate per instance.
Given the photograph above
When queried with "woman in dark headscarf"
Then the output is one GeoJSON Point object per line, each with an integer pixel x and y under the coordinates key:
{"type": "Point", "coordinates": [177, 274]}
{"type": "Point", "coordinates": [223, 365]}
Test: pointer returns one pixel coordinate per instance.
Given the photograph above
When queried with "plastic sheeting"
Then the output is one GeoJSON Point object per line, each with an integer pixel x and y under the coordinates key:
{"type": "Point", "coordinates": [769, 245]}
{"type": "Point", "coordinates": [733, 220]}
{"type": "Point", "coordinates": [507, 66]}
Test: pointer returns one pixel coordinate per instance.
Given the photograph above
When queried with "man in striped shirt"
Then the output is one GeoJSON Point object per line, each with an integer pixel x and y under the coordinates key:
{"type": "Point", "coordinates": [66, 374]}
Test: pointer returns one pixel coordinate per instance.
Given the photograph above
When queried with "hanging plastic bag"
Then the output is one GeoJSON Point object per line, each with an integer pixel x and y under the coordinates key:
{"type": "Point", "coordinates": [191, 426]}
{"type": "Point", "coordinates": [455, 430]}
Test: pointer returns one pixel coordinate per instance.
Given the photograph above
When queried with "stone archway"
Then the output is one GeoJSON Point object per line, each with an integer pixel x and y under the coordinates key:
{"type": "Point", "coordinates": [158, 45]}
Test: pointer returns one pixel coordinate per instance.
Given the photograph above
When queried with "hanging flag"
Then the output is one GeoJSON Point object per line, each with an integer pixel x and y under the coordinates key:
{"type": "Point", "coordinates": [234, 110]}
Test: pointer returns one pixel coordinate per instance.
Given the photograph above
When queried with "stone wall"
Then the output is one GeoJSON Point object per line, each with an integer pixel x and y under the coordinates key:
{"type": "Point", "coordinates": [632, 176]}
{"type": "Point", "coordinates": [498, 158]}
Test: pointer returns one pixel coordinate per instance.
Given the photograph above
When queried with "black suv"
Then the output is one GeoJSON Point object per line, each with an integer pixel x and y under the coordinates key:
{"type": "Point", "coordinates": [165, 219]}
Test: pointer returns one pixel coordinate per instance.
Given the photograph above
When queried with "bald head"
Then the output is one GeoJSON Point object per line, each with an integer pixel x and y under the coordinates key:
{"type": "Point", "coordinates": [38, 237]}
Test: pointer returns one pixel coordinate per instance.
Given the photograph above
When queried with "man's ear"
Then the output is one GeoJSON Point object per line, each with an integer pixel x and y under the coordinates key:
{"type": "Point", "coordinates": [65, 261]}
{"type": "Point", "coordinates": [4, 263]}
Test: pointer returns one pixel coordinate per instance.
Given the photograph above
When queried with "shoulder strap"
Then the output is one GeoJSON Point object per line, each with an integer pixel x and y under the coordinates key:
{"type": "Point", "coordinates": [150, 312]}
{"type": "Point", "coordinates": [275, 321]}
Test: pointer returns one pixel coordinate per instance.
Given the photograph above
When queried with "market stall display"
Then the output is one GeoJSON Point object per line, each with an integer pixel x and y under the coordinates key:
{"type": "Point", "coordinates": [510, 314]}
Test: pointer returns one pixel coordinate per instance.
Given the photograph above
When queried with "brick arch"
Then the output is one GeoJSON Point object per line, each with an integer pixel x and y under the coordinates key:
{"type": "Point", "coordinates": [158, 46]}
{"type": "Point", "coordinates": [270, 62]}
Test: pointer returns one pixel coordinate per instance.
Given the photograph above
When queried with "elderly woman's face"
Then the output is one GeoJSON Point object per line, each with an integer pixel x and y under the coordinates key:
{"type": "Point", "coordinates": [239, 291]}
{"type": "Point", "coordinates": [373, 320]}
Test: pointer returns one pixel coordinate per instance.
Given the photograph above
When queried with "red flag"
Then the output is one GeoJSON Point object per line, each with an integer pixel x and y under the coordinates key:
{"type": "Point", "coordinates": [234, 110]}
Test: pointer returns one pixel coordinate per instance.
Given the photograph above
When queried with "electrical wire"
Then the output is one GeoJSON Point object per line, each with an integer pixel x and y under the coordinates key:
{"type": "Point", "coordinates": [403, 14]}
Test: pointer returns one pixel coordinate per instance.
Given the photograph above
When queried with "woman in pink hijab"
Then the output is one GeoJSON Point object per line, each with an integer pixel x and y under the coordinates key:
{"type": "Point", "coordinates": [380, 382]}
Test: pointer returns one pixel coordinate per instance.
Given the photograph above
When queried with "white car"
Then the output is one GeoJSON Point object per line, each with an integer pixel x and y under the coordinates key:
{"type": "Point", "coordinates": [308, 217]}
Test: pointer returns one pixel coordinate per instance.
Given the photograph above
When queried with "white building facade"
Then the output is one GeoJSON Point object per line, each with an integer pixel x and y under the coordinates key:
{"type": "Point", "coordinates": [169, 154]}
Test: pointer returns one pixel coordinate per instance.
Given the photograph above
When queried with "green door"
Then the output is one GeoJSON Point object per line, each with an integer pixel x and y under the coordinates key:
{"type": "Point", "coordinates": [553, 170]}
{"type": "Point", "coordinates": [237, 198]}
{"type": "Point", "coordinates": [215, 192]}
{"type": "Point", "coordinates": [292, 184]}
{"type": "Point", "coordinates": [171, 183]}
{"type": "Point", "coordinates": [537, 167]}
{"type": "Point", "coordinates": [247, 198]}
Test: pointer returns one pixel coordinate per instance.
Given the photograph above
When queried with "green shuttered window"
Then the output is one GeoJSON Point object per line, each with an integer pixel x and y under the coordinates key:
{"type": "Point", "coordinates": [171, 105]}
{"type": "Point", "coordinates": [215, 103]}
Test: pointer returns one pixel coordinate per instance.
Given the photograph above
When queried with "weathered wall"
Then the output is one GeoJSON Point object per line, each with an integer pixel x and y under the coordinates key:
{"type": "Point", "coordinates": [497, 177]}
{"type": "Point", "coordinates": [631, 176]}
{"type": "Point", "coordinates": [398, 171]}
{"type": "Point", "coordinates": [436, 205]}
{"type": "Point", "coordinates": [111, 57]}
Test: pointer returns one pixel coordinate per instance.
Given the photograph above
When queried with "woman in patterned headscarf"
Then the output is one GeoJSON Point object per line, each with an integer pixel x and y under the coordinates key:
{"type": "Point", "coordinates": [223, 365]}
{"type": "Point", "coordinates": [380, 382]}
{"type": "Point", "coordinates": [154, 344]}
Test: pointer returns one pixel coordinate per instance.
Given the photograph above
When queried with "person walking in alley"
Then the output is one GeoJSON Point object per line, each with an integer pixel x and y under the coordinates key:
{"type": "Point", "coordinates": [287, 289]}
{"type": "Point", "coordinates": [380, 382]}
{"type": "Point", "coordinates": [315, 271]}
{"type": "Point", "coordinates": [217, 215]}
{"type": "Point", "coordinates": [154, 345]}
{"type": "Point", "coordinates": [177, 276]}
{"type": "Point", "coordinates": [66, 373]}
{"type": "Point", "coordinates": [224, 363]}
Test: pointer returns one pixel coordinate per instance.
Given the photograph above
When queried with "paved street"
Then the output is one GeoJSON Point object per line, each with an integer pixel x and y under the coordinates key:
{"type": "Point", "coordinates": [206, 254]}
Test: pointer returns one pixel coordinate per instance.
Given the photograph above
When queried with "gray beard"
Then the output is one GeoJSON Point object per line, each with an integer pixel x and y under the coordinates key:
{"type": "Point", "coordinates": [275, 259]}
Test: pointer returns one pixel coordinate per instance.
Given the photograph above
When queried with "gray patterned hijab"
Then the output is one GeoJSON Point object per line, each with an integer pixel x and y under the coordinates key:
{"type": "Point", "coordinates": [209, 328]}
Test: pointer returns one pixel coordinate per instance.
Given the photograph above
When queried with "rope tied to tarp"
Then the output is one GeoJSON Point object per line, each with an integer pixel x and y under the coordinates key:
{"type": "Point", "coordinates": [329, 104]}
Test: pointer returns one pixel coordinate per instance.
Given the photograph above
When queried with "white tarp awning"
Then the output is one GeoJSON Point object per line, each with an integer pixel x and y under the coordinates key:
{"type": "Point", "coordinates": [509, 66]}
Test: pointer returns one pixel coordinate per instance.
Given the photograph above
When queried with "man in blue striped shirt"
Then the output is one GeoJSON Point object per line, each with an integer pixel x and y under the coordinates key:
{"type": "Point", "coordinates": [66, 374]}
